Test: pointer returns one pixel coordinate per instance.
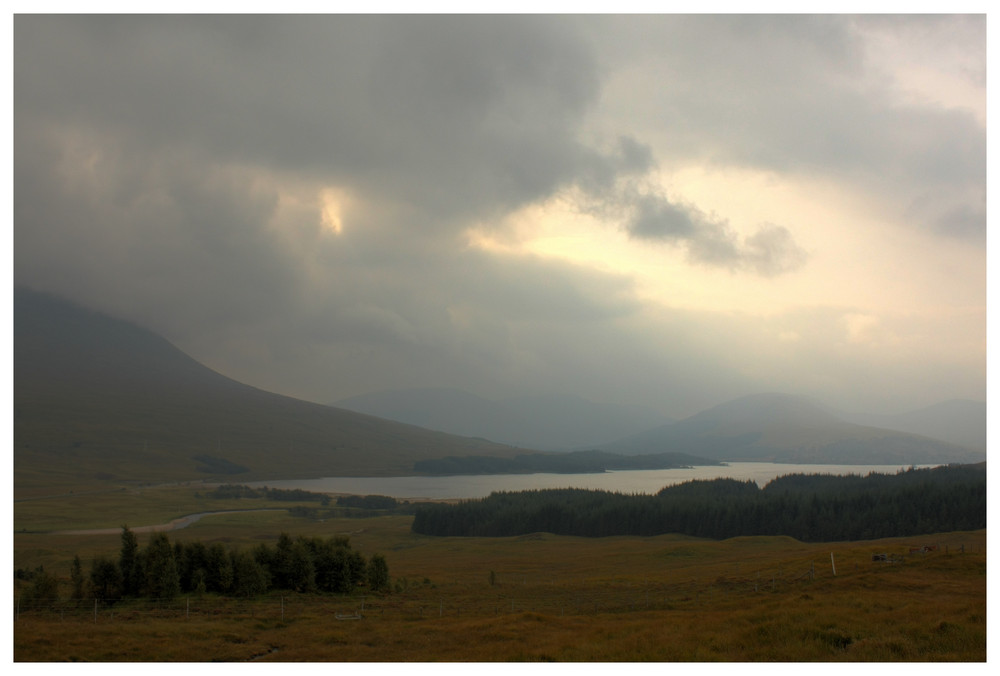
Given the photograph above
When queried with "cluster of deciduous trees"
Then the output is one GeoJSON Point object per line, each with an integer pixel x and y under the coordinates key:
{"type": "Point", "coordinates": [811, 508]}
{"type": "Point", "coordinates": [163, 570]}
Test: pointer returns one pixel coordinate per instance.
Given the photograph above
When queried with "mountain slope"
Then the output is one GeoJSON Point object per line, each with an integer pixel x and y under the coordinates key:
{"type": "Point", "coordinates": [957, 421]}
{"type": "Point", "coordinates": [443, 409]}
{"type": "Point", "coordinates": [783, 428]}
{"type": "Point", "coordinates": [543, 422]}
{"type": "Point", "coordinates": [96, 397]}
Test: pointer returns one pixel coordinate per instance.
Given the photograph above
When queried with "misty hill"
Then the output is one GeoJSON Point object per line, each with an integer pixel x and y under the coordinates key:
{"type": "Point", "coordinates": [100, 398]}
{"type": "Point", "coordinates": [784, 428]}
{"type": "Point", "coordinates": [957, 421]}
{"type": "Point", "coordinates": [543, 422]}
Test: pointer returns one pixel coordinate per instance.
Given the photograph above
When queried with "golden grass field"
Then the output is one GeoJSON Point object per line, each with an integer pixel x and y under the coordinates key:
{"type": "Point", "coordinates": [554, 598]}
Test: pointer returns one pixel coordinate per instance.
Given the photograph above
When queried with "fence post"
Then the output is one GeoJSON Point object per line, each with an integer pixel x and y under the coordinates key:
{"type": "Point", "coordinates": [95, 611]}
{"type": "Point", "coordinates": [833, 565]}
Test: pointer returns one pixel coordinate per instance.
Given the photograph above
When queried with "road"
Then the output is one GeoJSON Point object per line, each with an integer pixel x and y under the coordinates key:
{"type": "Point", "coordinates": [176, 524]}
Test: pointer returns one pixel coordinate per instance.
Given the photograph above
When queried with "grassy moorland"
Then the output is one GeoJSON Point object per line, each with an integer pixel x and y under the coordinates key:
{"type": "Point", "coordinates": [528, 598]}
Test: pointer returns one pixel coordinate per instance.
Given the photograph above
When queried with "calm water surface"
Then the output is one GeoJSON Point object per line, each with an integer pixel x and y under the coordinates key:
{"type": "Point", "coordinates": [631, 481]}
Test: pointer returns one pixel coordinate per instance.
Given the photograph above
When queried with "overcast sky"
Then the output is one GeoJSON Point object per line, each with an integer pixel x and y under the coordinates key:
{"type": "Point", "coordinates": [666, 210]}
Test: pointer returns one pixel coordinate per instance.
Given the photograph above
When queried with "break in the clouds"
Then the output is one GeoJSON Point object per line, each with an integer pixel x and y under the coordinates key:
{"type": "Point", "coordinates": [331, 205]}
{"type": "Point", "coordinates": [892, 106]}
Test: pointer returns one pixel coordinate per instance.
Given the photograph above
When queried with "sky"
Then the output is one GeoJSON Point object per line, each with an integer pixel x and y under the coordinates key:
{"type": "Point", "coordinates": [662, 210]}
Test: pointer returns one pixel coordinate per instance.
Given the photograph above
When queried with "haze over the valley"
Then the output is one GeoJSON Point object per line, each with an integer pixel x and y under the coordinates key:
{"type": "Point", "coordinates": [656, 212]}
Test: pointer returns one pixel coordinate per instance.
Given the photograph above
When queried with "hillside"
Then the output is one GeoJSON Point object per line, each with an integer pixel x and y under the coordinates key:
{"type": "Point", "coordinates": [96, 399]}
{"type": "Point", "coordinates": [543, 422]}
{"type": "Point", "coordinates": [784, 428]}
{"type": "Point", "coordinates": [957, 421]}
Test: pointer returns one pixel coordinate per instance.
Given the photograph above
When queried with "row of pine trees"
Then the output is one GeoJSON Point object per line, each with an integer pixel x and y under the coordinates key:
{"type": "Point", "coordinates": [162, 570]}
{"type": "Point", "coordinates": [810, 508]}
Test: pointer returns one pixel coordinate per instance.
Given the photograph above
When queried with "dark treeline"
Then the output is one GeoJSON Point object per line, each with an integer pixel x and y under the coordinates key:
{"type": "Point", "coordinates": [209, 464]}
{"type": "Point", "coordinates": [237, 491]}
{"type": "Point", "coordinates": [577, 462]}
{"type": "Point", "coordinates": [346, 506]}
{"type": "Point", "coordinates": [370, 502]}
{"type": "Point", "coordinates": [163, 570]}
{"type": "Point", "coordinates": [355, 506]}
{"type": "Point", "coordinates": [810, 508]}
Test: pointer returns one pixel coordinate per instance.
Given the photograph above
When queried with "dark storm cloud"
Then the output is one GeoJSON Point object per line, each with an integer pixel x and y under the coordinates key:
{"type": "Point", "coordinates": [154, 149]}
{"type": "Point", "coordinates": [452, 115]}
{"type": "Point", "coordinates": [147, 149]}
{"type": "Point", "coordinates": [167, 240]}
{"type": "Point", "coordinates": [167, 168]}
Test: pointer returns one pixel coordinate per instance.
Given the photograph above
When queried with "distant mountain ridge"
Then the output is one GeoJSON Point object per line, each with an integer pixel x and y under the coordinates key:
{"type": "Point", "coordinates": [99, 398]}
{"type": "Point", "coordinates": [957, 421]}
{"type": "Point", "coordinates": [789, 429]}
{"type": "Point", "coordinates": [541, 422]}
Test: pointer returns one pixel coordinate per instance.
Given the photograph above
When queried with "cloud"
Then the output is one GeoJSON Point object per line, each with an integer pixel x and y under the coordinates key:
{"type": "Point", "coordinates": [647, 215]}
{"type": "Point", "coordinates": [772, 251]}
{"type": "Point", "coordinates": [145, 235]}
{"type": "Point", "coordinates": [861, 328]}
{"type": "Point", "coordinates": [656, 218]}
{"type": "Point", "coordinates": [440, 119]}
{"type": "Point", "coordinates": [198, 158]}
{"type": "Point", "coordinates": [288, 197]}
{"type": "Point", "coordinates": [814, 96]}
{"type": "Point", "coordinates": [448, 115]}
{"type": "Point", "coordinates": [950, 213]}
{"type": "Point", "coordinates": [195, 156]}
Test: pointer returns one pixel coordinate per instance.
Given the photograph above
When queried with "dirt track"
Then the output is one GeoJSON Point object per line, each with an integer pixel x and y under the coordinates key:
{"type": "Point", "coordinates": [176, 524]}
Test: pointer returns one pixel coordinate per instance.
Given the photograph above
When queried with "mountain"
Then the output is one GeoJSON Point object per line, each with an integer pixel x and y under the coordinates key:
{"type": "Point", "coordinates": [443, 409]}
{"type": "Point", "coordinates": [784, 428]}
{"type": "Point", "coordinates": [97, 398]}
{"type": "Point", "coordinates": [543, 422]}
{"type": "Point", "coordinates": [568, 421]}
{"type": "Point", "coordinates": [957, 421]}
